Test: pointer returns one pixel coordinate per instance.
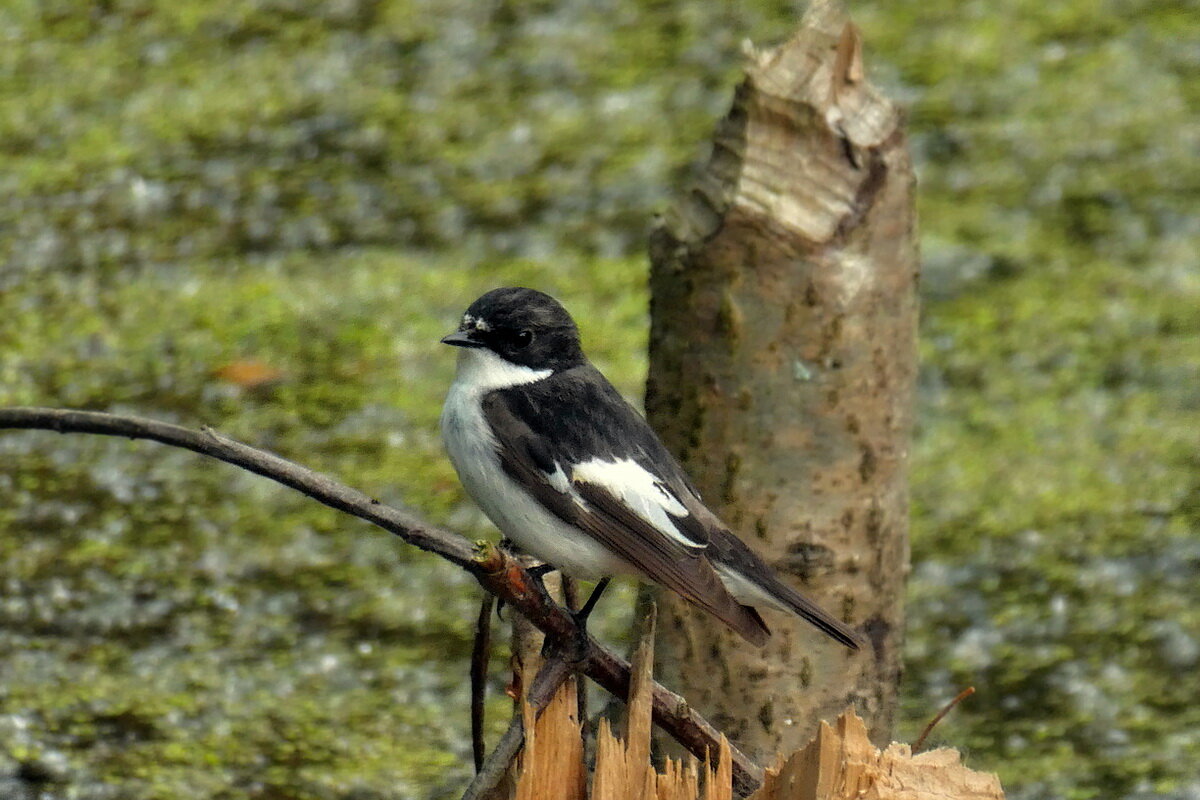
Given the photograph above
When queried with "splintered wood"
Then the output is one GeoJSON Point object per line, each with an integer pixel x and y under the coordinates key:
{"type": "Point", "coordinates": [551, 765]}
{"type": "Point", "coordinates": [840, 763]}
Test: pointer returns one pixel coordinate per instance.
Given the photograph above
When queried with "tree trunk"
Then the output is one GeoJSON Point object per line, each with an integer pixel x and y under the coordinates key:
{"type": "Point", "coordinates": [782, 363]}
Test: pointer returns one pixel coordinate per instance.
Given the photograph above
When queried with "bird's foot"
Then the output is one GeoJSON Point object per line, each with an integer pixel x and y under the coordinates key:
{"type": "Point", "coordinates": [538, 572]}
{"type": "Point", "coordinates": [576, 650]}
{"type": "Point", "coordinates": [581, 644]}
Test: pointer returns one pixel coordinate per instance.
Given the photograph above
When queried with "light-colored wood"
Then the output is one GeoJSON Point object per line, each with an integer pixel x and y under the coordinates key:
{"type": "Point", "coordinates": [840, 763]}
{"type": "Point", "coordinates": [639, 709]}
{"type": "Point", "coordinates": [719, 783]}
{"type": "Point", "coordinates": [678, 781]}
{"type": "Point", "coordinates": [623, 767]}
{"type": "Point", "coordinates": [608, 781]}
{"type": "Point", "coordinates": [551, 765]}
{"type": "Point", "coordinates": [618, 776]}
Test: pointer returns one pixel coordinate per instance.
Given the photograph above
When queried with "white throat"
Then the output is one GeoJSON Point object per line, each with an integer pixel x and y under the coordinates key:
{"type": "Point", "coordinates": [481, 371]}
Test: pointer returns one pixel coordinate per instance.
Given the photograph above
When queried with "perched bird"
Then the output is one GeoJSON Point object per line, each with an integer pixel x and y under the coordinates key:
{"type": "Point", "coordinates": [572, 474]}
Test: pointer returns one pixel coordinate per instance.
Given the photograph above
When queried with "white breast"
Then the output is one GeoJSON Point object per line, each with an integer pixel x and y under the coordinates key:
{"type": "Point", "coordinates": [472, 450]}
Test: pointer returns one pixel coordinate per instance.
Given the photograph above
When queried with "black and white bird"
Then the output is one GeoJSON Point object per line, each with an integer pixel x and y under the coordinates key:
{"type": "Point", "coordinates": [572, 474]}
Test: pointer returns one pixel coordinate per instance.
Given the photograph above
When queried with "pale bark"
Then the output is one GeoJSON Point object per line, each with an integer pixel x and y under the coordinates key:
{"type": "Point", "coordinates": [782, 363]}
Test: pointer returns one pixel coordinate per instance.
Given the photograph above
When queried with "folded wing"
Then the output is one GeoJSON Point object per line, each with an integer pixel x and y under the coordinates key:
{"type": "Point", "coordinates": [617, 501]}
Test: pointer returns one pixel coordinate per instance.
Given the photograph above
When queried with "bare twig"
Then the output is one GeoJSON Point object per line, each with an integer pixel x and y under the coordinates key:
{"type": "Point", "coordinates": [498, 573]}
{"type": "Point", "coordinates": [963, 695]}
{"type": "Point", "coordinates": [493, 770]}
{"type": "Point", "coordinates": [481, 653]}
{"type": "Point", "coordinates": [323, 489]}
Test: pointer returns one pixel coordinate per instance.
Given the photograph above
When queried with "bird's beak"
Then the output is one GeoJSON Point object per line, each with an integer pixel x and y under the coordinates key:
{"type": "Point", "coordinates": [461, 339]}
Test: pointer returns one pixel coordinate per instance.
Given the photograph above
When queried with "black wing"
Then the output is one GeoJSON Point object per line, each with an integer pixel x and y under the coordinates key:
{"type": "Point", "coordinates": [589, 420]}
{"type": "Point", "coordinates": [594, 473]}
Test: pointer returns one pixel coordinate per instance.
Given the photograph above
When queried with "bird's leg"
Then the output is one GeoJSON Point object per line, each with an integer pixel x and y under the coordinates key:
{"type": "Point", "coordinates": [581, 619]}
{"type": "Point", "coordinates": [539, 571]}
{"type": "Point", "coordinates": [582, 614]}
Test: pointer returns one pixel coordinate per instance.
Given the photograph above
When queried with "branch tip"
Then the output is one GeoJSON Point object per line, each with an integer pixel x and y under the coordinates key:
{"type": "Point", "coordinates": [489, 557]}
{"type": "Point", "coordinates": [963, 695]}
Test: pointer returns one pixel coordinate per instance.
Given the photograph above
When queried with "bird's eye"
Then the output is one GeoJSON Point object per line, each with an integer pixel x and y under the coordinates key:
{"type": "Point", "coordinates": [522, 338]}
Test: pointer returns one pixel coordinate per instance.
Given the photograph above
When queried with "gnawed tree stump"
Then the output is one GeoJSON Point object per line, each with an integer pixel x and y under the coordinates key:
{"type": "Point", "coordinates": [782, 366]}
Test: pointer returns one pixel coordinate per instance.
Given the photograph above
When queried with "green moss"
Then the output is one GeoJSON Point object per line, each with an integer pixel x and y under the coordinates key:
{"type": "Point", "coordinates": [250, 636]}
{"type": "Point", "coordinates": [320, 189]}
{"type": "Point", "coordinates": [1055, 488]}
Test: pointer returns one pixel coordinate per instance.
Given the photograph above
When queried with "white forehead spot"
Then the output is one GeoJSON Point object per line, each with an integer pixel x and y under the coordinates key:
{"type": "Point", "coordinates": [478, 324]}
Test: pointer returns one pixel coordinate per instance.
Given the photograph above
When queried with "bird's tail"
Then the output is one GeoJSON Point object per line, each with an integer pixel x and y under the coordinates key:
{"type": "Point", "coordinates": [793, 601]}
{"type": "Point", "coordinates": [751, 581]}
{"type": "Point", "coordinates": [751, 626]}
{"type": "Point", "coordinates": [716, 599]}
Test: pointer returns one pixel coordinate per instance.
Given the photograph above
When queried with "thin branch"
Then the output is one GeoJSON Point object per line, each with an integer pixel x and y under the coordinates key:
{"type": "Point", "coordinates": [481, 653]}
{"type": "Point", "coordinates": [493, 770]}
{"type": "Point", "coordinates": [208, 442]}
{"type": "Point", "coordinates": [498, 573]}
{"type": "Point", "coordinates": [963, 695]}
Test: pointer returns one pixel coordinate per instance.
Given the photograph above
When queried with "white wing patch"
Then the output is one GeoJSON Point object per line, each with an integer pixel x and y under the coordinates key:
{"type": "Point", "coordinates": [558, 479]}
{"type": "Point", "coordinates": [560, 482]}
{"type": "Point", "coordinates": [746, 591]}
{"type": "Point", "coordinates": [639, 490]}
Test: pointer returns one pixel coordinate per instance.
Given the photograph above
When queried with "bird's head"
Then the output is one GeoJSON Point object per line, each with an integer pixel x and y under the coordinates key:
{"type": "Point", "coordinates": [522, 326]}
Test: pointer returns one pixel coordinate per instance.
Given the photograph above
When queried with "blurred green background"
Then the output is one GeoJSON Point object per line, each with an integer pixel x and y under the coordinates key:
{"type": "Point", "coordinates": [261, 215]}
